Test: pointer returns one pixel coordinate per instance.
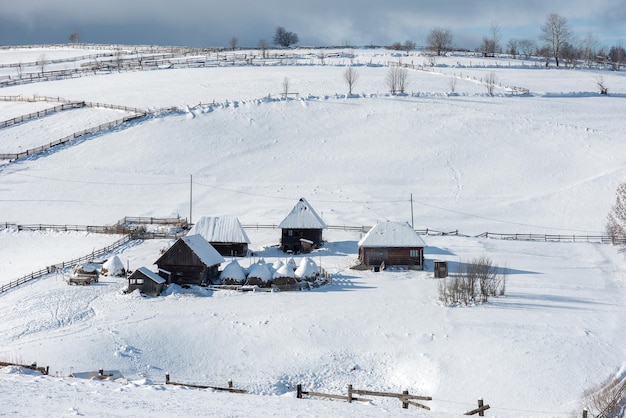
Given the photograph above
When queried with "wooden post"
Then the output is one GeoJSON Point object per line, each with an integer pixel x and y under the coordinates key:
{"type": "Point", "coordinates": [167, 378]}
{"type": "Point", "coordinates": [584, 413]}
{"type": "Point", "coordinates": [349, 393]}
{"type": "Point", "coordinates": [230, 384]}
{"type": "Point", "coordinates": [480, 405]}
{"type": "Point", "coordinates": [101, 372]}
{"type": "Point", "coordinates": [299, 391]}
{"type": "Point", "coordinates": [405, 404]}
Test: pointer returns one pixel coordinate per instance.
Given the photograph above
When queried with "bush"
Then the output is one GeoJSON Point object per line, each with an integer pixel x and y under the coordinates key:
{"type": "Point", "coordinates": [474, 282]}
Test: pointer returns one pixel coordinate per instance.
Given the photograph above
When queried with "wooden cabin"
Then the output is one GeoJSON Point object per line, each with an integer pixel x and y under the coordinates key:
{"type": "Point", "coordinates": [224, 233]}
{"type": "Point", "coordinates": [392, 244]}
{"type": "Point", "coordinates": [191, 260]}
{"type": "Point", "coordinates": [301, 229]}
{"type": "Point", "coordinates": [148, 282]}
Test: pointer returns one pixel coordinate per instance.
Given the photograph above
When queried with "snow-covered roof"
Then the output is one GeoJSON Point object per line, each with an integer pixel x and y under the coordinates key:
{"type": "Point", "coordinates": [151, 275]}
{"type": "Point", "coordinates": [220, 229]}
{"type": "Point", "coordinates": [205, 251]}
{"type": "Point", "coordinates": [233, 271]}
{"type": "Point", "coordinates": [302, 216]}
{"type": "Point", "coordinates": [392, 234]}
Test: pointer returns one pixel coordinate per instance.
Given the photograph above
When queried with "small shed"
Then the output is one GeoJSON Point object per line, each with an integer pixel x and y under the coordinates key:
{"type": "Point", "coordinates": [392, 244]}
{"type": "Point", "coordinates": [441, 269]}
{"type": "Point", "coordinates": [301, 229]}
{"type": "Point", "coordinates": [224, 233]}
{"type": "Point", "coordinates": [191, 260]}
{"type": "Point", "coordinates": [148, 282]}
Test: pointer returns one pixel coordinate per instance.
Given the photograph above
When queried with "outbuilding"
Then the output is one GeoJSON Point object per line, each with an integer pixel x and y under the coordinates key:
{"type": "Point", "coordinates": [301, 229]}
{"type": "Point", "coordinates": [148, 282]}
{"type": "Point", "coordinates": [392, 244]}
{"type": "Point", "coordinates": [191, 260]}
{"type": "Point", "coordinates": [224, 233]}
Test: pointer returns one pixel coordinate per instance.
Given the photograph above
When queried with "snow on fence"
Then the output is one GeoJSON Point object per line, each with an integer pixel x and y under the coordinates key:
{"type": "Point", "coordinates": [136, 114]}
{"type": "Point", "coordinates": [65, 264]}
{"type": "Point", "coordinates": [41, 113]}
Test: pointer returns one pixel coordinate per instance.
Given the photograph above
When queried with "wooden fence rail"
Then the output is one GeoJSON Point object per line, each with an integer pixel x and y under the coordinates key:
{"type": "Point", "coordinates": [41, 113]}
{"type": "Point", "coordinates": [406, 398]}
{"type": "Point", "coordinates": [229, 388]}
{"type": "Point", "coordinates": [65, 264]}
{"type": "Point", "coordinates": [75, 135]}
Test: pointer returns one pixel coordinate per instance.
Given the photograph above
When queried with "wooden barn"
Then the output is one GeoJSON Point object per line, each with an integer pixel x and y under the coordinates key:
{"type": "Point", "coordinates": [392, 244]}
{"type": "Point", "coordinates": [224, 233]}
{"type": "Point", "coordinates": [191, 260]}
{"type": "Point", "coordinates": [301, 229]}
{"type": "Point", "coordinates": [148, 282]}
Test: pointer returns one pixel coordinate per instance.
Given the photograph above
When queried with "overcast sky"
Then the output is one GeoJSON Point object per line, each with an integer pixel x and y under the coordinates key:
{"type": "Point", "coordinates": [316, 22]}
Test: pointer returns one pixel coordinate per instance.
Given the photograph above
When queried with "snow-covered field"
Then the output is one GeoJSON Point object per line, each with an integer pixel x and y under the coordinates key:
{"type": "Point", "coordinates": [547, 163]}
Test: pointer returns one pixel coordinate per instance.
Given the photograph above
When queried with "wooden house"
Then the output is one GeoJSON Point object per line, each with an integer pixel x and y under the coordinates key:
{"type": "Point", "coordinates": [224, 233]}
{"type": "Point", "coordinates": [148, 282]}
{"type": "Point", "coordinates": [191, 260]}
{"type": "Point", "coordinates": [392, 244]}
{"type": "Point", "coordinates": [301, 229]}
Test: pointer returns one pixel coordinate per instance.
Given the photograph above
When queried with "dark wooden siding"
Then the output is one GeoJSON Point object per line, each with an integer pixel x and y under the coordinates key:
{"type": "Point", "coordinates": [186, 267]}
{"type": "Point", "coordinates": [412, 257]}
{"type": "Point", "coordinates": [290, 239]}
{"type": "Point", "coordinates": [228, 249]}
{"type": "Point", "coordinates": [146, 285]}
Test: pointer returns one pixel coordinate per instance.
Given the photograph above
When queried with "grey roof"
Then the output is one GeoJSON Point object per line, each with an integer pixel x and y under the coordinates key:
{"type": "Point", "coordinates": [151, 275]}
{"type": "Point", "coordinates": [224, 229]}
{"type": "Point", "coordinates": [302, 216]}
{"type": "Point", "coordinates": [205, 251]}
{"type": "Point", "coordinates": [392, 234]}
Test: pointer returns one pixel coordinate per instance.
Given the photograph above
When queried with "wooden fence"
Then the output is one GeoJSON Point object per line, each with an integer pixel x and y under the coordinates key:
{"type": "Point", "coordinates": [41, 113]}
{"type": "Point", "coordinates": [605, 239]}
{"type": "Point", "coordinates": [65, 264]}
{"type": "Point", "coordinates": [405, 398]}
{"type": "Point", "coordinates": [102, 127]}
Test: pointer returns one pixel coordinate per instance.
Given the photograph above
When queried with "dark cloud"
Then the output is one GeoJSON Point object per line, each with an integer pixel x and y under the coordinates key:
{"type": "Point", "coordinates": [320, 22]}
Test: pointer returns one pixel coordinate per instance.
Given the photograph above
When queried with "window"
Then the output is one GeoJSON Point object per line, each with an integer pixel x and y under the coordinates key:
{"type": "Point", "coordinates": [414, 253]}
{"type": "Point", "coordinates": [136, 281]}
{"type": "Point", "coordinates": [290, 232]}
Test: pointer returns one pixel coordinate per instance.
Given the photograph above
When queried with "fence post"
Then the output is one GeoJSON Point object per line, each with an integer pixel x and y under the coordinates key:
{"type": "Point", "coordinates": [584, 413]}
{"type": "Point", "coordinates": [405, 404]}
{"type": "Point", "coordinates": [480, 405]}
{"type": "Point", "coordinates": [167, 378]}
{"type": "Point", "coordinates": [299, 391]}
{"type": "Point", "coordinates": [349, 393]}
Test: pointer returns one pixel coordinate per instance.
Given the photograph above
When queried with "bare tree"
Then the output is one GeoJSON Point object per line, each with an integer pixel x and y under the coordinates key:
{"type": "Point", "coordinates": [490, 82]}
{"type": "Point", "coordinates": [616, 219]}
{"type": "Point", "coordinates": [474, 281]}
{"type": "Point", "coordinates": [439, 41]}
{"type": "Point", "coordinates": [452, 84]}
{"type": "Point", "coordinates": [284, 38]}
{"type": "Point", "coordinates": [491, 44]}
{"type": "Point", "coordinates": [602, 85]}
{"type": "Point", "coordinates": [607, 400]}
{"type": "Point", "coordinates": [41, 62]}
{"type": "Point", "coordinates": [232, 43]}
{"type": "Point", "coordinates": [555, 32]}
{"type": "Point", "coordinates": [513, 47]}
{"type": "Point", "coordinates": [589, 46]}
{"type": "Point", "coordinates": [396, 79]}
{"type": "Point", "coordinates": [285, 87]}
{"type": "Point", "coordinates": [350, 75]}
{"type": "Point", "coordinates": [263, 46]}
{"type": "Point", "coordinates": [74, 37]}
{"type": "Point", "coordinates": [527, 47]}
{"type": "Point", "coordinates": [408, 46]}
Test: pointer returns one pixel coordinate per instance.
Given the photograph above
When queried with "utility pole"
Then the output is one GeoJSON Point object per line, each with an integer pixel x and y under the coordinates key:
{"type": "Point", "coordinates": [412, 226]}
{"type": "Point", "coordinates": [190, 197]}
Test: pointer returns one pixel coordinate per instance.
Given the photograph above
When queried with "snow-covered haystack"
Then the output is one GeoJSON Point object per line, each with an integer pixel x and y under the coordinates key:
{"type": "Point", "coordinates": [277, 265]}
{"type": "Point", "coordinates": [233, 274]}
{"type": "Point", "coordinates": [259, 275]}
{"type": "Point", "coordinates": [307, 270]}
{"type": "Point", "coordinates": [113, 267]}
{"type": "Point", "coordinates": [284, 275]}
{"type": "Point", "coordinates": [292, 263]}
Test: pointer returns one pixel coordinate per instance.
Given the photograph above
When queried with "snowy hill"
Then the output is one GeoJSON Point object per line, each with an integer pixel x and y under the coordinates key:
{"type": "Point", "coordinates": [546, 163]}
